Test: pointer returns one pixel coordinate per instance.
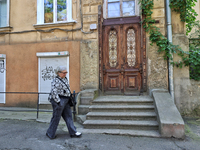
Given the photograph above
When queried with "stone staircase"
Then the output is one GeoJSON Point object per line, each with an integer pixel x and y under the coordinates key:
{"type": "Point", "coordinates": [123, 115]}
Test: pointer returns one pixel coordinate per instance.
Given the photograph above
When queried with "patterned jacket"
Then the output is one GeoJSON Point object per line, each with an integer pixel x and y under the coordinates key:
{"type": "Point", "coordinates": [59, 88]}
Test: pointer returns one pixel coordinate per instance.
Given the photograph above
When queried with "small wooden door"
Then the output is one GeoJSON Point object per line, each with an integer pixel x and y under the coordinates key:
{"type": "Point", "coordinates": [122, 65]}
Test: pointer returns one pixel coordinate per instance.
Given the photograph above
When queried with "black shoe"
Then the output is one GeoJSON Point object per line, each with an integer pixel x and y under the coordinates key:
{"type": "Point", "coordinates": [77, 134]}
{"type": "Point", "coordinates": [50, 137]}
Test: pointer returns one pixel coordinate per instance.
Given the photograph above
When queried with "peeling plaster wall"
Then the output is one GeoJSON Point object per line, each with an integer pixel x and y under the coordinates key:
{"type": "Point", "coordinates": [21, 48]}
{"type": "Point", "coordinates": [187, 91]}
{"type": "Point", "coordinates": [157, 75]}
{"type": "Point", "coordinates": [89, 65]}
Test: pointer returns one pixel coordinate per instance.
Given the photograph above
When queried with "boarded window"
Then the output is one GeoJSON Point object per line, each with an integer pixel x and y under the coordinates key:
{"type": "Point", "coordinates": [47, 63]}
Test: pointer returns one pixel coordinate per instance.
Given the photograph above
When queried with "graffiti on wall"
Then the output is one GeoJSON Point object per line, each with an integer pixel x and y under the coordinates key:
{"type": "Point", "coordinates": [2, 66]}
{"type": "Point", "coordinates": [48, 73]}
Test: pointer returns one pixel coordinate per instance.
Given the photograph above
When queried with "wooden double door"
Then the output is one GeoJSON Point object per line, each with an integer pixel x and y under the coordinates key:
{"type": "Point", "coordinates": [122, 59]}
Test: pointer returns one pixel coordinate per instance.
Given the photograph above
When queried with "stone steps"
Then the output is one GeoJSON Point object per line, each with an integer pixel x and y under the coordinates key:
{"type": "Point", "coordinates": [122, 100]}
{"type": "Point", "coordinates": [130, 115]}
{"type": "Point", "coordinates": [121, 124]}
{"type": "Point", "coordinates": [136, 133]}
{"type": "Point", "coordinates": [121, 116]}
{"type": "Point", "coordinates": [121, 108]}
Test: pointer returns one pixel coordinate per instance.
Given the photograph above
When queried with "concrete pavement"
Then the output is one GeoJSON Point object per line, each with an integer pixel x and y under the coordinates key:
{"type": "Point", "coordinates": [23, 130]}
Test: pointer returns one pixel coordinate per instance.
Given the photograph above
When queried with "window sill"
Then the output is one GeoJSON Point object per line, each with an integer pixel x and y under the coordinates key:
{"type": "Point", "coordinates": [46, 25]}
{"type": "Point", "coordinates": [5, 29]}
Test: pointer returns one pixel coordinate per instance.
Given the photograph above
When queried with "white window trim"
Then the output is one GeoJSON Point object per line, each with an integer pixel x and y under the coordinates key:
{"type": "Point", "coordinates": [40, 13]}
{"type": "Point", "coordinates": [105, 10]}
{"type": "Point", "coordinates": [8, 13]}
{"type": "Point", "coordinates": [3, 56]}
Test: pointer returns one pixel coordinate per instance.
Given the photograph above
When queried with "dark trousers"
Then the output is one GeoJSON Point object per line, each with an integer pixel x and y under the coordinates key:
{"type": "Point", "coordinates": [63, 109]}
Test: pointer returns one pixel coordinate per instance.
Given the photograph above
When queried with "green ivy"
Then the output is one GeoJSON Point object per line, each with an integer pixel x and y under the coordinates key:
{"type": "Point", "coordinates": [188, 15]}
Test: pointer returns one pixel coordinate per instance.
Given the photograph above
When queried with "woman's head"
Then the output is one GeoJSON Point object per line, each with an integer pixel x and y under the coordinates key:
{"type": "Point", "coordinates": [61, 71]}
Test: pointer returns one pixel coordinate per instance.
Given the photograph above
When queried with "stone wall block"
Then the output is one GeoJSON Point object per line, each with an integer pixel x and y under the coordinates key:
{"type": "Point", "coordinates": [93, 35]}
{"type": "Point", "coordinates": [23, 38]}
{"type": "Point", "coordinates": [159, 3]}
{"type": "Point", "coordinates": [90, 9]}
{"type": "Point", "coordinates": [161, 23]}
{"type": "Point", "coordinates": [77, 35]}
{"type": "Point", "coordinates": [89, 65]}
{"type": "Point", "coordinates": [157, 68]}
{"type": "Point", "coordinates": [93, 2]}
{"type": "Point", "coordinates": [56, 36]}
{"type": "Point", "coordinates": [90, 18]}
{"type": "Point", "coordinates": [2, 39]}
{"type": "Point", "coordinates": [159, 12]}
{"type": "Point", "coordinates": [178, 27]}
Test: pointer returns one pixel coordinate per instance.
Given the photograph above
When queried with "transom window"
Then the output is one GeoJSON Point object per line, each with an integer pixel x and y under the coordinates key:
{"type": "Point", "coordinates": [54, 11]}
{"type": "Point", "coordinates": [121, 8]}
{"type": "Point", "coordinates": [4, 11]}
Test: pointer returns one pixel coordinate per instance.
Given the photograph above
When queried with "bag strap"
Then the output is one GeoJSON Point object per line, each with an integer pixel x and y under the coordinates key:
{"type": "Point", "coordinates": [64, 83]}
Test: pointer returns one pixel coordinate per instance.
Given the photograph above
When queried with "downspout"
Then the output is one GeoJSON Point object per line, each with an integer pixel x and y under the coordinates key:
{"type": "Point", "coordinates": [169, 37]}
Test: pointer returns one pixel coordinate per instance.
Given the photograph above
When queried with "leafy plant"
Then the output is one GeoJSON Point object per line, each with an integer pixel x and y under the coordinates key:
{"type": "Point", "coordinates": [188, 15]}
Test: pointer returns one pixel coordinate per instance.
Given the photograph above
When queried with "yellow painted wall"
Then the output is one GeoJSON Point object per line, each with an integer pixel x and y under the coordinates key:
{"type": "Point", "coordinates": [22, 69]}
{"type": "Point", "coordinates": [26, 39]}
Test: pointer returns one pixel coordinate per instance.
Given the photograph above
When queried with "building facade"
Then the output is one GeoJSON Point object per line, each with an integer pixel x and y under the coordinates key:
{"type": "Point", "coordinates": [102, 43]}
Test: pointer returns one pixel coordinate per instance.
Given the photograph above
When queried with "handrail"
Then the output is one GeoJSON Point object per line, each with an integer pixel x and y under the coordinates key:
{"type": "Point", "coordinates": [74, 94]}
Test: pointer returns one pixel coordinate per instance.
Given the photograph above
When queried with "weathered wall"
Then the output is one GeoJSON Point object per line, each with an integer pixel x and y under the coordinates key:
{"type": "Point", "coordinates": [22, 69]}
{"type": "Point", "coordinates": [89, 47]}
{"type": "Point", "coordinates": [187, 91]}
{"type": "Point", "coordinates": [89, 70]}
{"type": "Point", "coordinates": [26, 39]}
{"type": "Point", "coordinates": [157, 66]}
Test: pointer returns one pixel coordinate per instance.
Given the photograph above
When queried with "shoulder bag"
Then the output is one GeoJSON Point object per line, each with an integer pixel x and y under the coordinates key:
{"type": "Point", "coordinates": [71, 101]}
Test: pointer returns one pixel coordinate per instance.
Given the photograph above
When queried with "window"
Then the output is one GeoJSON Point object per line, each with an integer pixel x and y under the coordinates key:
{"type": "Point", "coordinates": [54, 11]}
{"type": "Point", "coordinates": [122, 8]}
{"type": "Point", "coordinates": [2, 78]}
{"type": "Point", "coordinates": [4, 9]}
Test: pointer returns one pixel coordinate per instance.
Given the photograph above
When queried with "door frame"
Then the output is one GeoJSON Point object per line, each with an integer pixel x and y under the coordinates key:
{"type": "Point", "coordinates": [128, 20]}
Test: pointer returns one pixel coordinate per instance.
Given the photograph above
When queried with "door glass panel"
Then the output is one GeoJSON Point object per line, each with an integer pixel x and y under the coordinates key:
{"type": "Point", "coordinates": [131, 54]}
{"type": "Point", "coordinates": [114, 9]}
{"type": "Point", "coordinates": [113, 48]}
{"type": "Point", "coordinates": [61, 10]}
{"type": "Point", "coordinates": [129, 8]}
{"type": "Point", "coordinates": [48, 11]}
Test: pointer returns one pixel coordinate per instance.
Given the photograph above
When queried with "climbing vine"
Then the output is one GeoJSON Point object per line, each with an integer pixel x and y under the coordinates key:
{"type": "Point", "coordinates": [188, 15]}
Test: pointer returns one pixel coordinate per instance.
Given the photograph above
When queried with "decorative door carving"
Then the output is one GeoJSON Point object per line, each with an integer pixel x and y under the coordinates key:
{"type": "Point", "coordinates": [122, 58]}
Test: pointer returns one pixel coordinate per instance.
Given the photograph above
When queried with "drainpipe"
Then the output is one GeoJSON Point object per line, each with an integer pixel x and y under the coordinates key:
{"type": "Point", "coordinates": [169, 37]}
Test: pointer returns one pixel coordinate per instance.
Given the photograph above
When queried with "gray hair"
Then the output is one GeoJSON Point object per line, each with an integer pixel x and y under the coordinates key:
{"type": "Point", "coordinates": [60, 69]}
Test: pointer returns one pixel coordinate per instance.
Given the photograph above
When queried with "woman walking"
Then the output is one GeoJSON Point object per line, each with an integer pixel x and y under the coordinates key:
{"type": "Point", "coordinates": [59, 97]}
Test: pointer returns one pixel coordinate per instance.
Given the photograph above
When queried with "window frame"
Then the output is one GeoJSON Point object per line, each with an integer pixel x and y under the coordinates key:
{"type": "Point", "coordinates": [8, 15]}
{"type": "Point", "coordinates": [105, 7]}
{"type": "Point", "coordinates": [40, 12]}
